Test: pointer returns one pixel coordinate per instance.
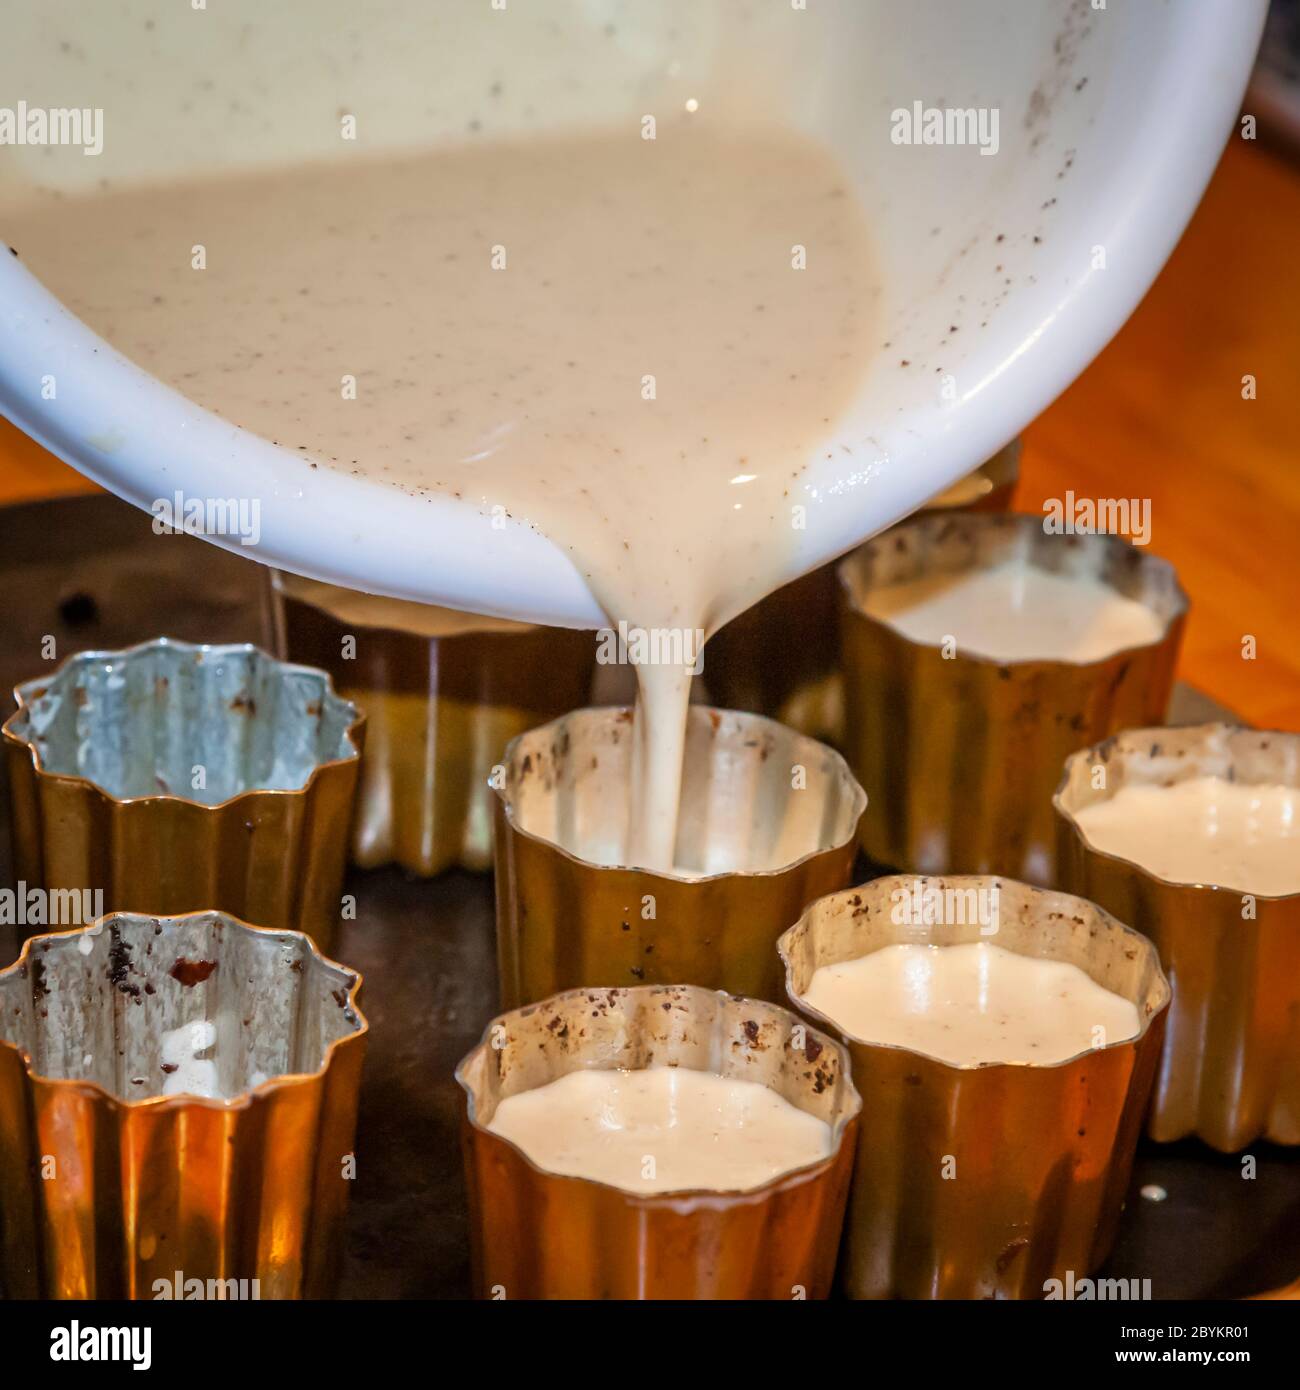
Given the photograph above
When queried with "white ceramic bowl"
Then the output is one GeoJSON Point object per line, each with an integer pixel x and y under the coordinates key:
{"type": "Point", "coordinates": [1110, 122]}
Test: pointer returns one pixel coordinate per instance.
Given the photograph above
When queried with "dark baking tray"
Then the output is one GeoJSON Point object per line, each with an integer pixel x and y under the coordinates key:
{"type": "Point", "coordinates": [90, 572]}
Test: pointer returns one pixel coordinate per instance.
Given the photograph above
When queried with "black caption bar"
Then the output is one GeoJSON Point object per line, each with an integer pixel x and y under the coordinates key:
{"type": "Point", "coordinates": [89, 1339]}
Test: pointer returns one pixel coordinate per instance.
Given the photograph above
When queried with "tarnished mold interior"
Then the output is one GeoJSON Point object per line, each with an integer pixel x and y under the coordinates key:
{"type": "Point", "coordinates": [156, 1006]}
{"type": "Point", "coordinates": [962, 542]}
{"type": "Point", "coordinates": [1030, 921]}
{"type": "Point", "coordinates": [170, 719]}
{"type": "Point", "coordinates": [1162, 757]}
{"type": "Point", "coordinates": [756, 796]}
{"type": "Point", "coordinates": [661, 1026]}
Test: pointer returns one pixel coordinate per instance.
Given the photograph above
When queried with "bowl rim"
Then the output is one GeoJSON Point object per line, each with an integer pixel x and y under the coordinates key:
{"type": "Point", "coordinates": [282, 595]}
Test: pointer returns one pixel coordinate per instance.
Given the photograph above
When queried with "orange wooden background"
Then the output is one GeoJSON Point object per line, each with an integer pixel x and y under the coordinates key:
{"type": "Point", "coordinates": [1159, 415]}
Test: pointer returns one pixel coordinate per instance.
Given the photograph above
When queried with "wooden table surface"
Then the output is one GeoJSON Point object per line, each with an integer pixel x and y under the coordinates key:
{"type": "Point", "coordinates": [1159, 415]}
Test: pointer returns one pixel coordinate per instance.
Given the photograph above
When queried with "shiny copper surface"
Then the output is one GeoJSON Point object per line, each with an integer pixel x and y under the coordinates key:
{"type": "Point", "coordinates": [540, 1235]}
{"type": "Point", "coordinates": [565, 921]}
{"type": "Point", "coordinates": [986, 1181]}
{"type": "Point", "coordinates": [108, 1186]}
{"type": "Point", "coordinates": [271, 855]}
{"type": "Point", "coordinates": [959, 755]}
{"type": "Point", "coordinates": [439, 712]}
{"type": "Point", "coordinates": [1230, 1071]}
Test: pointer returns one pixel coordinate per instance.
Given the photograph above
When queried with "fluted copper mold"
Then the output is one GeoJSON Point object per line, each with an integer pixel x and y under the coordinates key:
{"type": "Point", "coordinates": [1037, 1157]}
{"type": "Point", "coordinates": [104, 756]}
{"type": "Point", "coordinates": [1230, 1071]}
{"type": "Point", "coordinates": [537, 1234]}
{"type": "Point", "coordinates": [764, 849]}
{"type": "Point", "coordinates": [781, 657]}
{"type": "Point", "coordinates": [439, 710]}
{"type": "Point", "coordinates": [960, 755]}
{"type": "Point", "coordinates": [108, 1183]}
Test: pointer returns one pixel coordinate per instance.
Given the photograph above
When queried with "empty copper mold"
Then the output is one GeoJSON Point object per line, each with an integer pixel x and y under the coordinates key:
{"type": "Point", "coordinates": [175, 778]}
{"type": "Point", "coordinates": [177, 1100]}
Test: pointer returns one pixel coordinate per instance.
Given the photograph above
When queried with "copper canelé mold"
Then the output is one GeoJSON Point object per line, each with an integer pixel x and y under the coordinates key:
{"type": "Point", "coordinates": [767, 824]}
{"type": "Point", "coordinates": [1230, 1072]}
{"type": "Point", "coordinates": [178, 1100]}
{"type": "Point", "coordinates": [537, 1234]}
{"type": "Point", "coordinates": [959, 753]}
{"type": "Point", "coordinates": [985, 1181]}
{"type": "Point", "coordinates": [439, 710]}
{"type": "Point", "coordinates": [175, 778]}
